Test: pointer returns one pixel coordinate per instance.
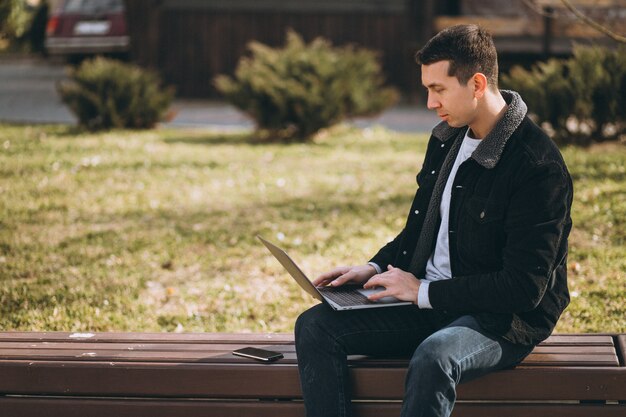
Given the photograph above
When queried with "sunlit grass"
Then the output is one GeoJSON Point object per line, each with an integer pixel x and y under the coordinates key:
{"type": "Point", "coordinates": [150, 231]}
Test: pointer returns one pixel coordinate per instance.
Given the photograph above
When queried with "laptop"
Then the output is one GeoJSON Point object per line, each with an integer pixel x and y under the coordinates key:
{"type": "Point", "coordinates": [345, 297]}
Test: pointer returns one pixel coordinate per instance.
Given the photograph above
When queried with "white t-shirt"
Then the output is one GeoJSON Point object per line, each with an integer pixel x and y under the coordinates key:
{"type": "Point", "coordinates": [438, 266]}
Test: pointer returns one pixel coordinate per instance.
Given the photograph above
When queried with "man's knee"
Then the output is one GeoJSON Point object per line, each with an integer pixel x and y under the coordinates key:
{"type": "Point", "coordinates": [434, 356]}
{"type": "Point", "coordinates": [307, 329]}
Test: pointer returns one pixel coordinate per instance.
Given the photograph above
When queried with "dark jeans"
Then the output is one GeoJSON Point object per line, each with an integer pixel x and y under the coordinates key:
{"type": "Point", "coordinates": [444, 351]}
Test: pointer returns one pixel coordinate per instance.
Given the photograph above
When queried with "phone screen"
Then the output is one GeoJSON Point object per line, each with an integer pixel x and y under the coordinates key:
{"type": "Point", "coordinates": [258, 354]}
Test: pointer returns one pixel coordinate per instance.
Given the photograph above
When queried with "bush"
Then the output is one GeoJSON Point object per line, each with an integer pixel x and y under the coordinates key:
{"type": "Point", "coordinates": [581, 99]}
{"type": "Point", "coordinates": [104, 94]}
{"type": "Point", "coordinates": [293, 92]}
{"type": "Point", "coordinates": [598, 77]}
{"type": "Point", "coordinates": [15, 17]}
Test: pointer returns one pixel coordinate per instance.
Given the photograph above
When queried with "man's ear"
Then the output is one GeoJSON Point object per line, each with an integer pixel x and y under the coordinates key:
{"type": "Point", "coordinates": [480, 84]}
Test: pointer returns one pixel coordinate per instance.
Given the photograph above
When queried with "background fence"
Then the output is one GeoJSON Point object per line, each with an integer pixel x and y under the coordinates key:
{"type": "Point", "coordinates": [191, 41]}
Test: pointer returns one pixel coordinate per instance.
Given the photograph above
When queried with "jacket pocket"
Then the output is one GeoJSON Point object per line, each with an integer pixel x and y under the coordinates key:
{"type": "Point", "coordinates": [425, 179]}
{"type": "Point", "coordinates": [483, 211]}
{"type": "Point", "coordinates": [481, 237]}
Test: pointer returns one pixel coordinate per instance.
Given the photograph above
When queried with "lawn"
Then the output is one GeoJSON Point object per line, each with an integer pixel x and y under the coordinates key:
{"type": "Point", "coordinates": [155, 231]}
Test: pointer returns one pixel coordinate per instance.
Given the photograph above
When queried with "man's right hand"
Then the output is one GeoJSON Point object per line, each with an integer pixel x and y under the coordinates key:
{"type": "Point", "coordinates": [354, 274]}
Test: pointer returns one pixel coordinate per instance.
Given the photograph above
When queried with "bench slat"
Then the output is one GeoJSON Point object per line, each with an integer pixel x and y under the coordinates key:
{"type": "Point", "coordinates": [121, 337]}
{"type": "Point", "coordinates": [85, 407]}
{"type": "Point", "coordinates": [143, 347]}
{"type": "Point", "coordinates": [571, 360]}
{"type": "Point", "coordinates": [240, 338]}
{"type": "Point", "coordinates": [577, 349]}
{"type": "Point", "coordinates": [224, 355]}
{"type": "Point", "coordinates": [211, 380]}
{"type": "Point", "coordinates": [571, 350]}
{"type": "Point", "coordinates": [548, 360]}
{"type": "Point", "coordinates": [581, 340]}
{"type": "Point", "coordinates": [186, 347]}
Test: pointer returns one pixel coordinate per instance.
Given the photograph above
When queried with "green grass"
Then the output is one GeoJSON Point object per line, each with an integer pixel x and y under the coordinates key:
{"type": "Point", "coordinates": [154, 231]}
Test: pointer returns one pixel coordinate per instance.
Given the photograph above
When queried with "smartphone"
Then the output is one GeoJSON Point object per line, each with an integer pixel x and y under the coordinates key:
{"type": "Point", "coordinates": [258, 354]}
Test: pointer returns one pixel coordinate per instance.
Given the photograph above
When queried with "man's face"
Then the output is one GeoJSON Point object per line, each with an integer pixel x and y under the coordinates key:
{"type": "Point", "coordinates": [453, 102]}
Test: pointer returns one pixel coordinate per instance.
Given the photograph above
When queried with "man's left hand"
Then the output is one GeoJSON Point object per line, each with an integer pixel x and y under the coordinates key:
{"type": "Point", "coordinates": [397, 283]}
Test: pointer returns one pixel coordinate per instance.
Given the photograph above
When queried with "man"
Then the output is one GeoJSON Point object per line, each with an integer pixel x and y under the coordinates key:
{"type": "Point", "coordinates": [482, 255]}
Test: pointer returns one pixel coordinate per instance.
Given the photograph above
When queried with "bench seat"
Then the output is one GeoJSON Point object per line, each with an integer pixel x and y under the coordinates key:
{"type": "Point", "coordinates": [195, 374]}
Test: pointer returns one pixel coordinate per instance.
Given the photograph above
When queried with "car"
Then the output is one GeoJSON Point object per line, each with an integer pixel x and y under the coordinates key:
{"type": "Point", "coordinates": [81, 28]}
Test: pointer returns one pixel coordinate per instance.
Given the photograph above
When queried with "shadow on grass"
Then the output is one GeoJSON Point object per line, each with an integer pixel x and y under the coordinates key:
{"type": "Point", "coordinates": [51, 129]}
{"type": "Point", "coordinates": [236, 138]}
{"type": "Point", "coordinates": [224, 226]}
{"type": "Point", "coordinates": [209, 138]}
{"type": "Point", "coordinates": [71, 131]}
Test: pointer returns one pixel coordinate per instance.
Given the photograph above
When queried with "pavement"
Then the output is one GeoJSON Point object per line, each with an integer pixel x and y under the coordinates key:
{"type": "Point", "coordinates": [28, 95]}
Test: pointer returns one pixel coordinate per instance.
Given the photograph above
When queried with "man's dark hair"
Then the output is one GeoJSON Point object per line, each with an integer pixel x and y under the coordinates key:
{"type": "Point", "coordinates": [469, 48]}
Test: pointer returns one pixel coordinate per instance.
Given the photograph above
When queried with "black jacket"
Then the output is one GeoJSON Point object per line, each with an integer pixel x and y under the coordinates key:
{"type": "Point", "coordinates": [508, 228]}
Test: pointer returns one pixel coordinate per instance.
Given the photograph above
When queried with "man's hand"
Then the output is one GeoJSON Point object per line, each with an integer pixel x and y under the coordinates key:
{"type": "Point", "coordinates": [397, 283]}
{"type": "Point", "coordinates": [343, 274]}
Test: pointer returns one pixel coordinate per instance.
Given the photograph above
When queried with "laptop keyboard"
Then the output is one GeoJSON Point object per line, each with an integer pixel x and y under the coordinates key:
{"type": "Point", "coordinates": [345, 297]}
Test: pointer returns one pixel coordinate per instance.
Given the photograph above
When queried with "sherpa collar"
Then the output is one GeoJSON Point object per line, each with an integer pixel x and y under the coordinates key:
{"type": "Point", "coordinates": [490, 149]}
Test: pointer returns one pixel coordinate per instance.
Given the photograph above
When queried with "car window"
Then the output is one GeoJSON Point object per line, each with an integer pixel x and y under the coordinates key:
{"type": "Point", "coordinates": [90, 6]}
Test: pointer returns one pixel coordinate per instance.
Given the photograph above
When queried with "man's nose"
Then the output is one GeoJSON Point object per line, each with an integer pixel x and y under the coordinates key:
{"type": "Point", "coordinates": [432, 103]}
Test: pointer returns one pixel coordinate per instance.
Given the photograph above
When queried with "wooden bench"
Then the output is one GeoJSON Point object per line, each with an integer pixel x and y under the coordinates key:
{"type": "Point", "coordinates": [165, 374]}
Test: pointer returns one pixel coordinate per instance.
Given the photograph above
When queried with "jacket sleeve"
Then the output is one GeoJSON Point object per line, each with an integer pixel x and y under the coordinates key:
{"type": "Point", "coordinates": [536, 222]}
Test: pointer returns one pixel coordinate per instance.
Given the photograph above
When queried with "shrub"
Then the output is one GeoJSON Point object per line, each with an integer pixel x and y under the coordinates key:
{"type": "Point", "coordinates": [546, 90]}
{"type": "Point", "coordinates": [598, 78]}
{"type": "Point", "coordinates": [582, 99]}
{"type": "Point", "coordinates": [15, 17]}
{"type": "Point", "coordinates": [294, 91]}
{"type": "Point", "coordinates": [104, 94]}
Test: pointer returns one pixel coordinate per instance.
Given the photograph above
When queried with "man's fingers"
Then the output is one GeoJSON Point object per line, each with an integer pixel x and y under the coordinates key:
{"type": "Point", "coordinates": [334, 277]}
{"type": "Point", "coordinates": [327, 277]}
{"type": "Point", "coordinates": [324, 280]}
{"type": "Point", "coordinates": [375, 281]}
{"type": "Point", "coordinates": [320, 282]}
{"type": "Point", "coordinates": [343, 279]}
